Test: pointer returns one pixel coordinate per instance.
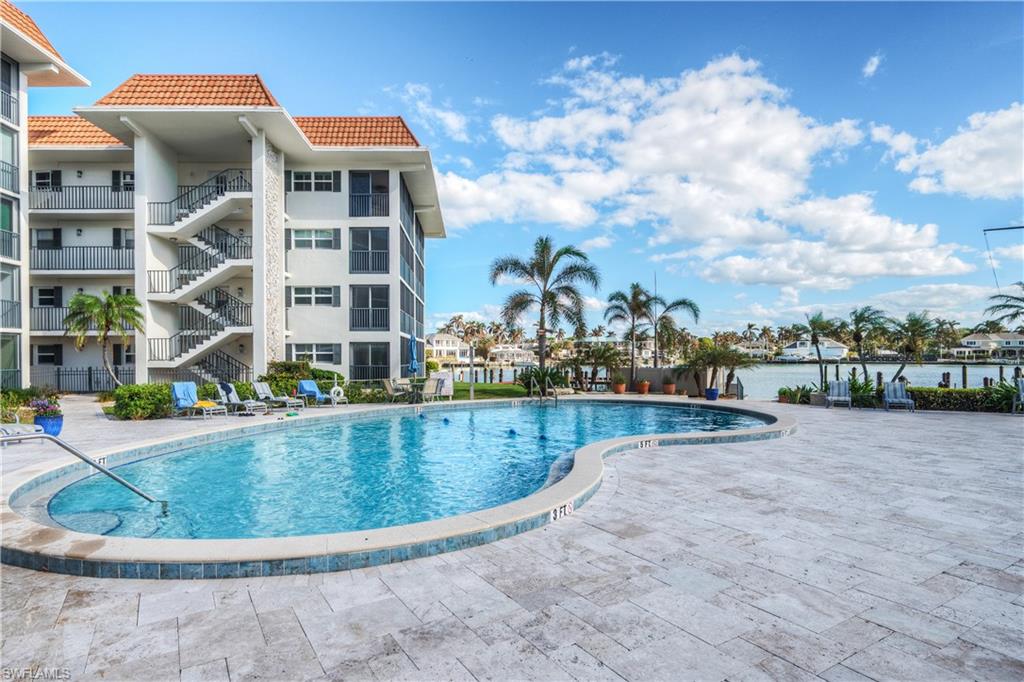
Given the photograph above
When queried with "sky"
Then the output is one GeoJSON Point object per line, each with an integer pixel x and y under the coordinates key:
{"type": "Point", "coordinates": [765, 160]}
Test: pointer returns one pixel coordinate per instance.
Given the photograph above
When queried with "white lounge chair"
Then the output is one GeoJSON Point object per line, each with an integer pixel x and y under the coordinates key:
{"type": "Point", "coordinates": [263, 392]}
{"type": "Point", "coordinates": [1018, 400]}
{"type": "Point", "coordinates": [838, 392]}
{"type": "Point", "coordinates": [229, 398]}
{"type": "Point", "coordinates": [185, 401]}
{"type": "Point", "coordinates": [894, 394]}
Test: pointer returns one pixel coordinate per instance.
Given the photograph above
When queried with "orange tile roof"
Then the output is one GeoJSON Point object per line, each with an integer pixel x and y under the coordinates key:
{"type": "Point", "coordinates": [190, 90]}
{"type": "Point", "coordinates": [22, 22]}
{"type": "Point", "coordinates": [357, 131]}
{"type": "Point", "coordinates": [71, 131]}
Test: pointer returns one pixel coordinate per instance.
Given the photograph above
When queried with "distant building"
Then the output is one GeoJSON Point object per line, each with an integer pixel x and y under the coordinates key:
{"type": "Point", "coordinates": [756, 349]}
{"type": "Point", "coordinates": [1001, 345]}
{"type": "Point", "coordinates": [803, 350]}
{"type": "Point", "coordinates": [512, 354]}
{"type": "Point", "coordinates": [447, 348]}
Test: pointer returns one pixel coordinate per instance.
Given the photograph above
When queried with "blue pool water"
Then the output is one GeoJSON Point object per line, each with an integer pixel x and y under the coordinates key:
{"type": "Point", "coordinates": [362, 473]}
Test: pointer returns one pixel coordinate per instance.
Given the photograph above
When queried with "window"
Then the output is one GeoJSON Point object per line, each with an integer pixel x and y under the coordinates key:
{"type": "Point", "coordinates": [368, 193]}
{"type": "Point", "coordinates": [49, 355]}
{"type": "Point", "coordinates": [323, 181]}
{"type": "Point", "coordinates": [42, 179]}
{"type": "Point", "coordinates": [46, 297]}
{"type": "Point", "coordinates": [47, 239]}
{"type": "Point", "coordinates": [369, 249]}
{"type": "Point", "coordinates": [313, 296]}
{"type": "Point", "coordinates": [8, 146]}
{"type": "Point", "coordinates": [370, 296]}
{"type": "Point", "coordinates": [369, 308]}
{"type": "Point", "coordinates": [313, 239]}
{"type": "Point", "coordinates": [369, 182]}
{"type": "Point", "coordinates": [369, 361]}
{"type": "Point", "coordinates": [124, 181]}
{"type": "Point", "coordinates": [8, 215]}
{"type": "Point", "coordinates": [129, 355]}
{"type": "Point", "coordinates": [302, 181]}
{"type": "Point", "coordinates": [314, 352]}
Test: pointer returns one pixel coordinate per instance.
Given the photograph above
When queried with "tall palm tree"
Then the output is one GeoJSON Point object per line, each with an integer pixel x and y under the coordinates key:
{"type": "Point", "coordinates": [750, 333]}
{"type": "Point", "coordinates": [1009, 307]}
{"type": "Point", "coordinates": [912, 333]}
{"type": "Point", "coordinates": [817, 327]}
{"type": "Point", "coordinates": [599, 330]}
{"type": "Point", "coordinates": [864, 322]}
{"type": "Point", "coordinates": [634, 309]}
{"type": "Point", "coordinates": [665, 316]}
{"type": "Point", "coordinates": [555, 276]}
{"type": "Point", "coordinates": [110, 316]}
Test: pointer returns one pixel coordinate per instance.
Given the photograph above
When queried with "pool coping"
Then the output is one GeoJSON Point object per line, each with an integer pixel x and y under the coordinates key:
{"type": "Point", "coordinates": [30, 544]}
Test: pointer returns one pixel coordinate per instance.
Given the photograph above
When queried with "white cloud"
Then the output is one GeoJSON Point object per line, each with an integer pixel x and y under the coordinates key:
{"type": "Point", "coordinates": [870, 67]}
{"type": "Point", "coordinates": [601, 242]}
{"type": "Point", "coordinates": [1014, 254]}
{"type": "Point", "coordinates": [451, 123]}
{"type": "Point", "coordinates": [984, 159]}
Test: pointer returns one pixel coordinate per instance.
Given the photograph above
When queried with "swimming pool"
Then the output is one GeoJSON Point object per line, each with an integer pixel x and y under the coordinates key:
{"type": "Point", "coordinates": [364, 473]}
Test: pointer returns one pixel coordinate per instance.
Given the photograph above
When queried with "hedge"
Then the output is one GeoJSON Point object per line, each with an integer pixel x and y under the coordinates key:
{"type": "Point", "coordinates": [153, 401]}
{"type": "Point", "coordinates": [961, 399]}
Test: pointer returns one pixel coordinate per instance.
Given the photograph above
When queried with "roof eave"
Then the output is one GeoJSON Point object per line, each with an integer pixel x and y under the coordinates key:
{"type": "Point", "coordinates": [42, 67]}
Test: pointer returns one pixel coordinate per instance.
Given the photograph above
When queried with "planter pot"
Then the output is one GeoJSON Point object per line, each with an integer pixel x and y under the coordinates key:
{"type": "Point", "coordinates": [643, 387]}
{"type": "Point", "coordinates": [51, 425]}
{"type": "Point", "coordinates": [711, 393]}
{"type": "Point", "coordinates": [818, 400]}
{"type": "Point", "coordinates": [784, 399]}
{"type": "Point", "coordinates": [668, 389]}
{"type": "Point", "coordinates": [618, 389]}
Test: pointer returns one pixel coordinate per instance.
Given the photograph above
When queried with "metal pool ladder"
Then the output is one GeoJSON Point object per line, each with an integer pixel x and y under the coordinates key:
{"type": "Point", "coordinates": [5, 440]}
{"type": "Point", "coordinates": [548, 386]}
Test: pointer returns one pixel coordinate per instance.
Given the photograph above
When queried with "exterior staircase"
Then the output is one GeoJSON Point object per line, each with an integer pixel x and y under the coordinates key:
{"type": "Point", "coordinates": [212, 368]}
{"type": "Point", "coordinates": [205, 326]}
{"type": "Point", "coordinates": [212, 256]}
{"type": "Point", "coordinates": [199, 206]}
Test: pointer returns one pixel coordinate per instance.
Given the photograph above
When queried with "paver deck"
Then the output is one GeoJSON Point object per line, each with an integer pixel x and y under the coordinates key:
{"type": "Point", "coordinates": [868, 545]}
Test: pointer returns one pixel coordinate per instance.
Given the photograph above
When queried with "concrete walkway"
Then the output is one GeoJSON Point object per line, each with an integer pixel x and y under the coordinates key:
{"type": "Point", "coordinates": [869, 545]}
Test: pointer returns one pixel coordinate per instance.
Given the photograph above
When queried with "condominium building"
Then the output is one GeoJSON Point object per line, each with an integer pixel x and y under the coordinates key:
{"type": "Point", "coordinates": [247, 234]}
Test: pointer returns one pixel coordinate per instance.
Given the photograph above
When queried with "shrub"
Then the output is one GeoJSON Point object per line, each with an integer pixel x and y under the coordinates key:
{"type": "Point", "coordinates": [142, 401]}
{"type": "Point", "coordinates": [209, 391]}
{"type": "Point", "coordinates": [19, 397]}
{"type": "Point", "coordinates": [552, 374]}
{"type": "Point", "coordinates": [433, 366]}
{"type": "Point", "coordinates": [357, 394]}
{"type": "Point", "coordinates": [963, 399]}
{"type": "Point", "coordinates": [796, 395]}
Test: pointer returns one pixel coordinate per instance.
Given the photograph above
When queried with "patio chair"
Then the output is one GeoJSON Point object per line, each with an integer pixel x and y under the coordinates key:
{"type": "Point", "coordinates": [394, 392]}
{"type": "Point", "coordinates": [432, 389]}
{"type": "Point", "coordinates": [1018, 400]}
{"type": "Point", "coordinates": [229, 399]}
{"type": "Point", "coordinates": [185, 401]}
{"type": "Point", "coordinates": [895, 395]}
{"type": "Point", "coordinates": [311, 392]}
{"type": "Point", "coordinates": [838, 392]}
{"type": "Point", "coordinates": [263, 392]}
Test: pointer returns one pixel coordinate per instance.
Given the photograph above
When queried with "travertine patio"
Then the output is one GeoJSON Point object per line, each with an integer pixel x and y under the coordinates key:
{"type": "Point", "coordinates": [867, 545]}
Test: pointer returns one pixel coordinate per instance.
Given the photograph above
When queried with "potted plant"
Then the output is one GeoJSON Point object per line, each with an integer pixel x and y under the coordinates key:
{"type": "Point", "coordinates": [668, 385]}
{"type": "Point", "coordinates": [48, 415]}
{"type": "Point", "coordinates": [784, 395]}
{"type": "Point", "coordinates": [643, 386]}
{"type": "Point", "coordinates": [618, 384]}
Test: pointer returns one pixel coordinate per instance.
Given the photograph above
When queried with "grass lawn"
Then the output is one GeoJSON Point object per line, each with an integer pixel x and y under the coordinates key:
{"type": "Point", "coordinates": [482, 391]}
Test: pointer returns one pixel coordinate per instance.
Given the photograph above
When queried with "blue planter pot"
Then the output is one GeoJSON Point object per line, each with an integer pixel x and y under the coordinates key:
{"type": "Point", "coordinates": [51, 425]}
{"type": "Point", "coordinates": [711, 393]}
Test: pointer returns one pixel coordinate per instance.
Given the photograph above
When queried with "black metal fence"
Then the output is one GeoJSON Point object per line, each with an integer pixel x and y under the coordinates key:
{"type": "Point", "coordinates": [10, 314]}
{"type": "Point", "coordinates": [10, 244]}
{"type": "Point", "coordinates": [368, 262]}
{"type": "Point", "coordinates": [83, 258]}
{"type": "Point", "coordinates": [368, 205]}
{"type": "Point", "coordinates": [9, 107]}
{"type": "Point", "coordinates": [369, 319]}
{"type": "Point", "coordinates": [8, 176]}
{"type": "Point", "coordinates": [81, 197]}
{"type": "Point", "coordinates": [80, 379]}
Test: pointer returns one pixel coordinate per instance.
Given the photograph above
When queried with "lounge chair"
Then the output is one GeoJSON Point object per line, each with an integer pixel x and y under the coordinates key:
{"type": "Point", "coordinates": [838, 392]}
{"type": "Point", "coordinates": [185, 401]}
{"type": "Point", "coordinates": [229, 398]}
{"type": "Point", "coordinates": [895, 395]}
{"type": "Point", "coordinates": [393, 390]}
{"type": "Point", "coordinates": [263, 392]}
{"type": "Point", "coordinates": [432, 389]}
{"type": "Point", "coordinates": [1018, 400]}
{"type": "Point", "coordinates": [311, 392]}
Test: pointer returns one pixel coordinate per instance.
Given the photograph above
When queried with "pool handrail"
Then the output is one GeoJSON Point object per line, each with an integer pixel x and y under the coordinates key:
{"type": "Point", "coordinates": [6, 440]}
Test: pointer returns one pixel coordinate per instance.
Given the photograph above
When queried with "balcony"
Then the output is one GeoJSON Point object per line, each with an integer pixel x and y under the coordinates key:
{"type": "Point", "coordinates": [8, 176]}
{"type": "Point", "coordinates": [51, 319]}
{"type": "Point", "coordinates": [373, 205]}
{"type": "Point", "coordinates": [81, 198]}
{"type": "Point", "coordinates": [368, 319]}
{"type": "Point", "coordinates": [10, 245]}
{"type": "Point", "coordinates": [9, 107]}
{"type": "Point", "coordinates": [10, 314]}
{"type": "Point", "coordinates": [368, 262]}
{"type": "Point", "coordinates": [368, 372]}
{"type": "Point", "coordinates": [83, 258]}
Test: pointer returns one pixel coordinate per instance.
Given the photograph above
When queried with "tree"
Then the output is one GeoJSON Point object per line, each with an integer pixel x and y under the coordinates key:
{"type": "Point", "coordinates": [598, 331]}
{"type": "Point", "coordinates": [750, 333]}
{"type": "Point", "coordinates": [988, 327]}
{"type": "Point", "coordinates": [864, 322]}
{"type": "Point", "coordinates": [816, 327]}
{"type": "Point", "coordinates": [555, 276]}
{"type": "Point", "coordinates": [1009, 307]}
{"type": "Point", "coordinates": [665, 316]}
{"type": "Point", "coordinates": [109, 315]}
{"type": "Point", "coordinates": [634, 309]}
{"type": "Point", "coordinates": [712, 358]}
{"type": "Point", "coordinates": [602, 356]}
{"type": "Point", "coordinates": [912, 333]}
{"type": "Point", "coordinates": [456, 326]}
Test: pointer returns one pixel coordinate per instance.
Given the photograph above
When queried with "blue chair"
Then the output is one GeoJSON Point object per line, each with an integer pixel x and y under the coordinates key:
{"type": "Point", "coordinates": [185, 400]}
{"type": "Point", "coordinates": [310, 391]}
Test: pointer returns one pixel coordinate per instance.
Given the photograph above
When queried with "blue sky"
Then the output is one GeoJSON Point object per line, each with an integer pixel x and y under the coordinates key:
{"type": "Point", "coordinates": [765, 160]}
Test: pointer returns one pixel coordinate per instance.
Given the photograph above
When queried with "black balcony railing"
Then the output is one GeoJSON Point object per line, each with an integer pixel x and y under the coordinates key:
{"type": "Point", "coordinates": [10, 244]}
{"type": "Point", "coordinates": [191, 198]}
{"type": "Point", "coordinates": [80, 379]}
{"type": "Point", "coordinates": [80, 197]}
{"type": "Point", "coordinates": [368, 319]}
{"type": "Point", "coordinates": [368, 205]}
{"type": "Point", "coordinates": [362, 262]}
{"type": "Point", "coordinates": [368, 372]}
{"type": "Point", "coordinates": [9, 107]}
{"type": "Point", "coordinates": [51, 319]}
{"type": "Point", "coordinates": [10, 314]}
{"type": "Point", "coordinates": [8, 176]}
{"type": "Point", "coordinates": [10, 378]}
{"type": "Point", "coordinates": [83, 258]}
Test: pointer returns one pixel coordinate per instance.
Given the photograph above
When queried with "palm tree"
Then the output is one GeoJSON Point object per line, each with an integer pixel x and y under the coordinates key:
{"type": "Point", "coordinates": [602, 356]}
{"type": "Point", "coordinates": [109, 315]}
{"type": "Point", "coordinates": [634, 309]}
{"type": "Point", "coordinates": [555, 289]}
{"type": "Point", "coordinates": [665, 317]}
{"type": "Point", "coordinates": [864, 322]}
{"type": "Point", "coordinates": [750, 333]}
{"type": "Point", "coordinates": [815, 328]}
{"type": "Point", "coordinates": [1010, 307]}
{"type": "Point", "coordinates": [599, 330]}
{"type": "Point", "coordinates": [912, 333]}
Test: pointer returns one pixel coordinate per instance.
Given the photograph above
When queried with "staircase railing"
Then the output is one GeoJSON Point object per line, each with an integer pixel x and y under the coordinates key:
{"type": "Point", "coordinates": [191, 198]}
{"type": "Point", "coordinates": [233, 311]}
{"type": "Point", "coordinates": [223, 367]}
{"type": "Point", "coordinates": [198, 264]}
{"type": "Point", "coordinates": [196, 328]}
{"type": "Point", "coordinates": [233, 245]}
